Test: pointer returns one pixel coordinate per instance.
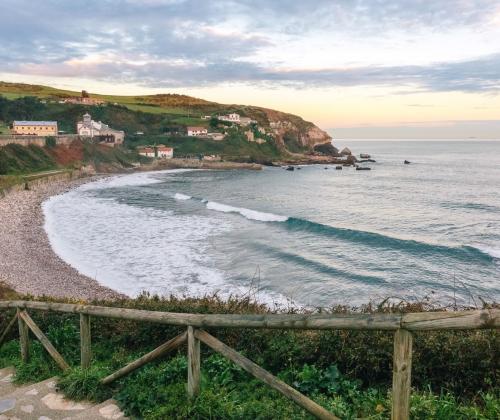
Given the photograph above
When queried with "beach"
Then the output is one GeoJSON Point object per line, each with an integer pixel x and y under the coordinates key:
{"type": "Point", "coordinates": [27, 262]}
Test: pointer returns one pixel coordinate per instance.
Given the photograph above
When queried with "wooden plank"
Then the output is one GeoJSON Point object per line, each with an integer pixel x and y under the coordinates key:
{"type": "Point", "coordinates": [421, 321]}
{"type": "Point", "coordinates": [480, 319]}
{"type": "Point", "coordinates": [401, 375]}
{"type": "Point", "coordinates": [44, 340]}
{"type": "Point", "coordinates": [24, 337]}
{"type": "Point", "coordinates": [255, 370]}
{"type": "Point", "coordinates": [7, 329]}
{"type": "Point", "coordinates": [194, 376]}
{"type": "Point", "coordinates": [292, 321]}
{"type": "Point", "coordinates": [136, 364]}
{"type": "Point", "coordinates": [85, 341]}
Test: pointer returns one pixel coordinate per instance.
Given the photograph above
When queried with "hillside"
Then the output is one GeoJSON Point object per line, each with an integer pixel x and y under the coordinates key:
{"type": "Point", "coordinates": [289, 131]}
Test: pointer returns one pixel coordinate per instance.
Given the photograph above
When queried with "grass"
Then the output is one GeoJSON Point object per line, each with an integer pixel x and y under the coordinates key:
{"type": "Point", "coordinates": [4, 128]}
{"type": "Point", "coordinates": [151, 109]}
{"type": "Point", "coordinates": [454, 374]}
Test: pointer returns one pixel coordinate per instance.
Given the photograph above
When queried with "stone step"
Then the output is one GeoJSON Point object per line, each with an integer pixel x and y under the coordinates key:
{"type": "Point", "coordinates": [39, 401]}
{"type": "Point", "coordinates": [107, 410]}
{"type": "Point", "coordinates": [6, 384]}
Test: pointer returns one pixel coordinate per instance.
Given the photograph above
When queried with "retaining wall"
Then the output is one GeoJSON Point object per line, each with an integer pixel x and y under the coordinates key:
{"type": "Point", "coordinates": [66, 140]}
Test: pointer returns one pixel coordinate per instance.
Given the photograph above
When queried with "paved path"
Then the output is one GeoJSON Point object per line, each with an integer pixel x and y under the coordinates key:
{"type": "Point", "coordinates": [41, 401]}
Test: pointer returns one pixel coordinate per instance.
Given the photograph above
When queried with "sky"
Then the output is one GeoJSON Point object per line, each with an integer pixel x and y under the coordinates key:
{"type": "Point", "coordinates": [356, 68]}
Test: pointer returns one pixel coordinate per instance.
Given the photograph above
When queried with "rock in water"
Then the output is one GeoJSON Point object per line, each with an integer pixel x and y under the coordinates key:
{"type": "Point", "coordinates": [346, 152]}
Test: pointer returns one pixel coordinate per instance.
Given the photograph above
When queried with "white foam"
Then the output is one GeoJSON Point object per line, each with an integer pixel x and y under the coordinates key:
{"type": "Point", "coordinates": [179, 196]}
{"type": "Point", "coordinates": [130, 180]}
{"type": "Point", "coordinates": [249, 214]}
{"type": "Point", "coordinates": [132, 249]}
{"type": "Point", "coordinates": [495, 253]}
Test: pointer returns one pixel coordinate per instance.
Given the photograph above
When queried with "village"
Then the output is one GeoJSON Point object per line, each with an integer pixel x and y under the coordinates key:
{"type": "Point", "coordinates": [31, 132]}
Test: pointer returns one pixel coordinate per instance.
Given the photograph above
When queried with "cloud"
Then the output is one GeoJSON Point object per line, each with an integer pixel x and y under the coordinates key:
{"type": "Point", "coordinates": [479, 75]}
{"type": "Point", "coordinates": [185, 43]}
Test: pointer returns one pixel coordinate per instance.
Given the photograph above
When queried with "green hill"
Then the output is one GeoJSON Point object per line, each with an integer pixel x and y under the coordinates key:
{"type": "Point", "coordinates": [164, 110]}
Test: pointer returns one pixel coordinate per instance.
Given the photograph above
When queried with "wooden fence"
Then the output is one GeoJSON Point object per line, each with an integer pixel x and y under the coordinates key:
{"type": "Point", "coordinates": [401, 324]}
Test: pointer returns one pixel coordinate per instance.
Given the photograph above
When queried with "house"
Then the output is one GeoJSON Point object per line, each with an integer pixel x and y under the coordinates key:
{"type": "Point", "coordinates": [100, 131]}
{"type": "Point", "coordinates": [246, 121]}
{"type": "Point", "coordinates": [165, 152]}
{"type": "Point", "coordinates": [83, 99]}
{"type": "Point", "coordinates": [197, 131]}
{"type": "Point", "coordinates": [206, 117]}
{"type": "Point", "coordinates": [250, 135]}
{"type": "Point", "coordinates": [212, 158]}
{"type": "Point", "coordinates": [234, 118]}
{"type": "Point", "coordinates": [35, 128]}
{"type": "Point", "coordinates": [216, 136]}
{"type": "Point", "coordinates": [146, 151]}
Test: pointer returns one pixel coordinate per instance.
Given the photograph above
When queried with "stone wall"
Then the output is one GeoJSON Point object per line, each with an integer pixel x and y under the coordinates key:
{"type": "Point", "coordinates": [33, 181]}
{"type": "Point", "coordinates": [66, 139]}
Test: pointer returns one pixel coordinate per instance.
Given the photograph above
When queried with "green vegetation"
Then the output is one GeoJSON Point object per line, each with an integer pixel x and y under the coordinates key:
{"type": "Point", "coordinates": [16, 159]}
{"type": "Point", "coordinates": [4, 128]}
{"type": "Point", "coordinates": [161, 105]}
{"type": "Point", "coordinates": [349, 372]}
{"type": "Point", "coordinates": [233, 147]}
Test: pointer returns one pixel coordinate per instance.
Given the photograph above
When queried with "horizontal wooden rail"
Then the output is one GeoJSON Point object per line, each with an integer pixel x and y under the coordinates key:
{"type": "Point", "coordinates": [423, 321]}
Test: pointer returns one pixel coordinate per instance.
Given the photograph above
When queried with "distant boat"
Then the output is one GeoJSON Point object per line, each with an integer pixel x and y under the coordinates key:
{"type": "Point", "coordinates": [290, 168]}
{"type": "Point", "coordinates": [364, 156]}
{"type": "Point", "coordinates": [363, 168]}
{"type": "Point", "coordinates": [338, 168]}
{"type": "Point", "coordinates": [407, 162]}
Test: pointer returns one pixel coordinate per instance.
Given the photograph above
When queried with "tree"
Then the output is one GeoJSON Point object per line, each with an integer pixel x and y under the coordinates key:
{"type": "Point", "coordinates": [214, 122]}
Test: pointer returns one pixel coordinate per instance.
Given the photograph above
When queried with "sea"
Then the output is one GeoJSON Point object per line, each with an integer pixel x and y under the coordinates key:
{"type": "Point", "coordinates": [315, 237]}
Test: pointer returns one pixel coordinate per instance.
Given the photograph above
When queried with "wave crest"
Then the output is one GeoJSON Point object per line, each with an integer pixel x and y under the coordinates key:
{"type": "Point", "coordinates": [249, 214]}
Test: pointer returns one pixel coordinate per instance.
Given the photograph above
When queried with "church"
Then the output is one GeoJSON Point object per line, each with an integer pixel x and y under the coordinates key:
{"type": "Point", "coordinates": [100, 131]}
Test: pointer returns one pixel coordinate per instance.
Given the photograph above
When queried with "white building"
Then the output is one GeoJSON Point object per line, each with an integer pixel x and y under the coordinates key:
{"type": "Point", "coordinates": [234, 118]}
{"type": "Point", "coordinates": [165, 152]}
{"type": "Point", "coordinates": [90, 128]}
{"type": "Point", "coordinates": [146, 151]}
{"type": "Point", "coordinates": [246, 121]}
{"type": "Point", "coordinates": [197, 131]}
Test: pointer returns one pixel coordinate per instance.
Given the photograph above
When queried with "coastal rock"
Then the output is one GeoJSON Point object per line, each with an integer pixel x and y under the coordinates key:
{"type": "Point", "coordinates": [327, 149]}
{"type": "Point", "coordinates": [346, 152]}
{"type": "Point", "coordinates": [283, 125]}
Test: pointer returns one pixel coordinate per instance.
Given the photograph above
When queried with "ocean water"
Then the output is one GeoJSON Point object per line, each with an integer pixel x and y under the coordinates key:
{"type": "Point", "coordinates": [314, 237]}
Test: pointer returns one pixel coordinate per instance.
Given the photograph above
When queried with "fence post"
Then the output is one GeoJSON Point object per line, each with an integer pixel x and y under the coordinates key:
{"type": "Point", "coordinates": [24, 340]}
{"type": "Point", "coordinates": [85, 341]}
{"type": "Point", "coordinates": [401, 375]}
{"type": "Point", "coordinates": [193, 364]}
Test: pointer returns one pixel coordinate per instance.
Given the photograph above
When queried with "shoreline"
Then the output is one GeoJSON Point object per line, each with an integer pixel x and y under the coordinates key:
{"type": "Point", "coordinates": [28, 264]}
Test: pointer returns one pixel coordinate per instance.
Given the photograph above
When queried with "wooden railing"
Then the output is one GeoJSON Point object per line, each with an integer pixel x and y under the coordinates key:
{"type": "Point", "coordinates": [402, 324]}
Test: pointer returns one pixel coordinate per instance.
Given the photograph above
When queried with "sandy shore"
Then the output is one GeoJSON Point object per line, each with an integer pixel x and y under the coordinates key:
{"type": "Point", "coordinates": [27, 262]}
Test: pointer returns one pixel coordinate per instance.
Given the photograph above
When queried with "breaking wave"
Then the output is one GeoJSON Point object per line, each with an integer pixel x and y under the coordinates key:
{"type": "Point", "coordinates": [249, 214]}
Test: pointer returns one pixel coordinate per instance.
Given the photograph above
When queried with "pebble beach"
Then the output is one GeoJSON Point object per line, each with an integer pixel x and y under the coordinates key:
{"type": "Point", "coordinates": [27, 262]}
